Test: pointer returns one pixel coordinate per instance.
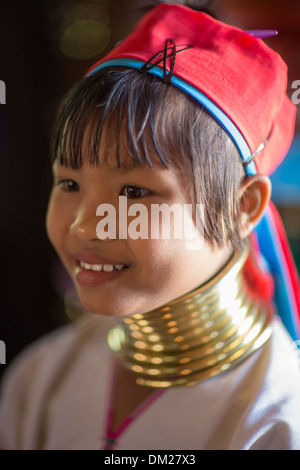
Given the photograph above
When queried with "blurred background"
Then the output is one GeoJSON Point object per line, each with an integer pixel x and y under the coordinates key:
{"type": "Point", "coordinates": [46, 46]}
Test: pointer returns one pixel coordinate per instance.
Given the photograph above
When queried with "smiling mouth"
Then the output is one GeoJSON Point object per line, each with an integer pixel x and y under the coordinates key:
{"type": "Point", "coordinates": [102, 267]}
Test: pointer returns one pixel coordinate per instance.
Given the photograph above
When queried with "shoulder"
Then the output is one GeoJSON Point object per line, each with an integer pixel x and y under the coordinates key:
{"type": "Point", "coordinates": [38, 370]}
{"type": "Point", "coordinates": [271, 418]}
{"type": "Point", "coordinates": [53, 349]}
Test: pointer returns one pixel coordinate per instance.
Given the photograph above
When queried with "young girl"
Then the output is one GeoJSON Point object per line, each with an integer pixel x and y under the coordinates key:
{"type": "Point", "coordinates": [182, 347]}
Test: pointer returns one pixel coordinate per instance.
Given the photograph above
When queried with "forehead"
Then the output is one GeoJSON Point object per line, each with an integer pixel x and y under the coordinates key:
{"type": "Point", "coordinates": [127, 166]}
{"type": "Point", "coordinates": [134, 173]}
{"type": "Point", "coordinates": [113, 144]}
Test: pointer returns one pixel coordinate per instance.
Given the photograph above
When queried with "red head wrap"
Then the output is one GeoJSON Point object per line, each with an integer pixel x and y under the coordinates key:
{"type": "Point", "coordinates": [236, 76]}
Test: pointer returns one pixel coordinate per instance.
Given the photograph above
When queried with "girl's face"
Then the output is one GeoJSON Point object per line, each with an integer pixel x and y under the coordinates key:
{"type": "Point", "coordinates": [139, 274]}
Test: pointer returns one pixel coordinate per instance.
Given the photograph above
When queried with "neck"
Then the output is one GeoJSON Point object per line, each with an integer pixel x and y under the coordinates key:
{"type": "Point", "coordinates": [199, 335]}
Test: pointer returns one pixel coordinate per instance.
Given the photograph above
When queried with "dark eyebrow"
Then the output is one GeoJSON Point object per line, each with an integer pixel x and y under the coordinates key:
{"type": "Point", "coordinates": [123, 168]}
{"type": "Point", "coordinates": [128, 168]}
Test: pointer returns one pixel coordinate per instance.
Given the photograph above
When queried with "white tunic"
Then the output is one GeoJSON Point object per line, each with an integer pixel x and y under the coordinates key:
{"type": "Point", "coordinates": [56, 395]}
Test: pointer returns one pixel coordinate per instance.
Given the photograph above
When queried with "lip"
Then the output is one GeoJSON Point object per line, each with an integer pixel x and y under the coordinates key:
{"type": "Point", "coordinates": [90, 278]}
{"type": "Point", "coordinates": [92, 258]}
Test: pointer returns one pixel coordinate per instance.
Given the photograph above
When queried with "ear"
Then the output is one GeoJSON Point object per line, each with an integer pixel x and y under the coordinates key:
{"type": "Point", "coordinates": [255, 193]}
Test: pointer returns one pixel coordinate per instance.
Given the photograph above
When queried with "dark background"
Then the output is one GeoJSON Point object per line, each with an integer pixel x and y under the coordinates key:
{"type": "Point", "coordinates": [37, 72]}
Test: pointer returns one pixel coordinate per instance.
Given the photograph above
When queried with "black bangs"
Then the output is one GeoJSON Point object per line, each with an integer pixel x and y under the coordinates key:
{"type": "Point", "coordinates": [115, 105]}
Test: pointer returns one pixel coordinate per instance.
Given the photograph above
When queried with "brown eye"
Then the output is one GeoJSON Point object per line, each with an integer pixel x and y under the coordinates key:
{"type": "Point", "coordinates": [134, 192]}
{"type": "Point", "coordinates": [68, 185]}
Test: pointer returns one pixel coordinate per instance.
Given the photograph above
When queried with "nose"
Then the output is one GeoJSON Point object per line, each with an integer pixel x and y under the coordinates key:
{"type": "Point", "coordinates": [84, 222]}
{"type": "Point", "coordinates": [95, 222]}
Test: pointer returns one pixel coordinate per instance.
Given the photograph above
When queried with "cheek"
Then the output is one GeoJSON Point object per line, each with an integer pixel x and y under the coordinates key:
{"type": "Point", "coordinates": [160, 261]}
{"type": "Point", "coordinates": [50, 219]}
{"type": "Point", "coordinates": [167, 266]}
{"type": "Point", "coordinates": [55, 223]}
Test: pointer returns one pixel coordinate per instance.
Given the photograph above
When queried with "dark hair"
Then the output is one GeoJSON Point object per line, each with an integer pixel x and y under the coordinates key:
{"type": "Point", "coordinates": [157, 116]}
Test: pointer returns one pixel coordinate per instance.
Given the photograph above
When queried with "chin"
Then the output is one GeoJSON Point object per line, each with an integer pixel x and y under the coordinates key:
{"type": "Point", "coordinates": [121, 305]}
{"type": "Point", "coordinates": [100, 310]}
{"type": "Point", "coordinates": [106, 308]}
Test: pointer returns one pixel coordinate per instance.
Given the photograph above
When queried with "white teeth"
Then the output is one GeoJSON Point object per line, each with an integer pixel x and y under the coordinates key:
{"type": "Point", "coordinates": [119, 266]}
{"type": "Point", "coordinates": [108, 268]}
{"type": "Point", "coordinates": [102, 267]}
{"type": "Point", "coordinates": [92, 267]}
{"type": "Point", "coordinates": [96, 267]}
